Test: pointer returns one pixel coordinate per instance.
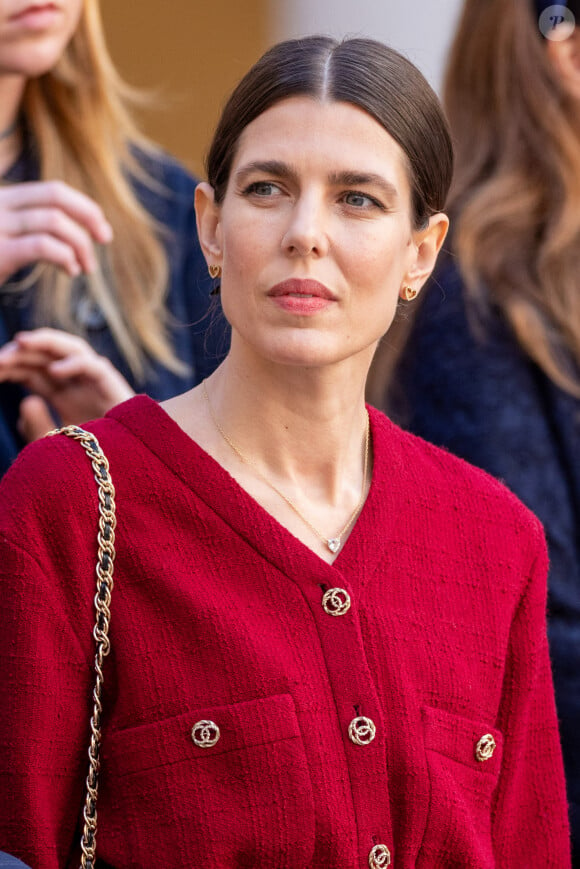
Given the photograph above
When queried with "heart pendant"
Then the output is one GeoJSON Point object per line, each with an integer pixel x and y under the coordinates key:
{"type": "Point", "coordinates": [333, 544]}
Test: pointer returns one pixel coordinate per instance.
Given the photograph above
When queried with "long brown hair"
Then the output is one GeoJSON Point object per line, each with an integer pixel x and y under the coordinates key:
{"type": "Point", "coordinates": [363, 72]}
{"type": "Point", "coordinates": [516, 191]}
{"type": "Point", "coordinates": [79, 117]}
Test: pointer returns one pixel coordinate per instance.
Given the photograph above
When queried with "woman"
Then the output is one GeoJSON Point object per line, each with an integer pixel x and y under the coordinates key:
{"type": "Point", "coordinates": [492, 368]}
{"type": "Point", "coordinates": [115, 236]}
{"type": "Point", "coordinates": [328, 637]}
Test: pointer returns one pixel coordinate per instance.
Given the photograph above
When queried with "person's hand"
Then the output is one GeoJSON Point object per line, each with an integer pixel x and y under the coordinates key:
{"type": "Point", "coordinates": [61, 371]}
{"type": "Point", "coordinates": [48, 221]}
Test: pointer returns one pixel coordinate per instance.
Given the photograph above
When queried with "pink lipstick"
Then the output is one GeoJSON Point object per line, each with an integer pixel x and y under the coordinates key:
{"type": "Point", "coordinates": [301, 296]}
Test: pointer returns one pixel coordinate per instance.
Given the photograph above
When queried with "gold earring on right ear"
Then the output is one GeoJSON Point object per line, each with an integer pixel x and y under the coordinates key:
{"type": "Point", "coordinates": [214, 271]}
{"type": "Point", "coordinates": [409, 293]}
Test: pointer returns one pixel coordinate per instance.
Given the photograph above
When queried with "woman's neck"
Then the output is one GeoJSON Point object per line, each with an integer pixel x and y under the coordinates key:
{"type": "Point", "coordinates": [295, 439]}
{"type": "Point", "coordinates": [295, 424]}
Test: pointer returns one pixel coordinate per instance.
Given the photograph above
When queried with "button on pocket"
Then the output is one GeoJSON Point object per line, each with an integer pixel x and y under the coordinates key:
{"type": "Point", "coordinates": [205, 734]}
{"type": "Point", "coordinates": [201, 779]}
{"type": "Point", "coordinates": [462, 786]}
{"type": "Point", "coordinates": [485, 748]}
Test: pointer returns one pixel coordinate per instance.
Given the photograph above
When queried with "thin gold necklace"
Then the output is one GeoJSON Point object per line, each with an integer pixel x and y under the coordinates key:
{"type": "Point", "coordinates": [333, 543]}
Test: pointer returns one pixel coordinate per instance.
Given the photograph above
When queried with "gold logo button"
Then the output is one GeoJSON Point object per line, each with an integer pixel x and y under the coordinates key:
{"type": "Point", "coordinates": [485, 748]}
{"type": "Point", "coordinates": [205, 734]}
{"type": "Point", "coordinates": [361, 730]}
{"type": "Point", "coordinates": [336, 602]}
{"type": "Point", "coordinates": [379, 857]}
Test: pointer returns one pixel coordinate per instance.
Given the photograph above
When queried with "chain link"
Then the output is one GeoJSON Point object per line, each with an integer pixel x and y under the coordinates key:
{"type": "Point", "coordinates": [102, 601]}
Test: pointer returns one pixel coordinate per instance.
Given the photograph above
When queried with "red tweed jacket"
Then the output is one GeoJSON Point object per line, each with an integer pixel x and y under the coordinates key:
{"type": "Point", "coordinates": [253, 718]}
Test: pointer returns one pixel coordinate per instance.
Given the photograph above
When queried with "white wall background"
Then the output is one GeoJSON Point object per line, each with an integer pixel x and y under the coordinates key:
{"type": "Point", "coordinates": [419, 29]}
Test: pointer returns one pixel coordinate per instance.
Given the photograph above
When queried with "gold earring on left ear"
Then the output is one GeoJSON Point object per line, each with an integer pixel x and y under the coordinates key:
{"type": "Point", "coordinates": [409, 293]}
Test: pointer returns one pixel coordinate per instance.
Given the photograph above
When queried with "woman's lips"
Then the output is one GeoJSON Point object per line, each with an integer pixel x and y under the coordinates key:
{"type": "Point", "coordinates": [301, 296]}
{"type": "Point", "coordinates": [36, 16]}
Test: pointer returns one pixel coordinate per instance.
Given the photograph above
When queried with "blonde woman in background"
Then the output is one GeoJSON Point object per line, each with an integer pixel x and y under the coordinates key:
{"type": "Point", "coordinates": [492, 367]}
{"type": "Point", "coordinates": [97, 234]}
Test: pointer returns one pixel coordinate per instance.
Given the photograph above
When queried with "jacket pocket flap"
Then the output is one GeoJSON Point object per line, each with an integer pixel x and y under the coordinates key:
{"type": "Point", "coordinates": [217, 729]}
{"type": "Point", "coordinates": [472, 743]}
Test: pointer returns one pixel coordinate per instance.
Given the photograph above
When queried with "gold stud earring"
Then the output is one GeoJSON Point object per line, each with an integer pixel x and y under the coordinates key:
{"type": "Point", "coordinates": [409, 293]}
{"type": "Point", "coordinates": [214, 271]}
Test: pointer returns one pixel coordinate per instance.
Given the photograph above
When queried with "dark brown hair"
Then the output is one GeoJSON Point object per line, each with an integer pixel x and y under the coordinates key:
{"type": "Point", "coordinates": [362, 72]}
{"type": "Point", "coordinates": [516, 192]}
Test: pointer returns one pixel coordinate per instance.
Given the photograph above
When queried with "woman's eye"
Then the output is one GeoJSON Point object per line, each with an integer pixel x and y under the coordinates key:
{"type": "Point", "coordinates": [262, 188]}
{"type": "Point", "coordinates": [361, 200]}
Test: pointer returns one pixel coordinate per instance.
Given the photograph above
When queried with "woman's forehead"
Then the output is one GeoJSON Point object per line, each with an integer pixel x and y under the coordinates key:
{"type": "Point", "coordinates": [342, 135]}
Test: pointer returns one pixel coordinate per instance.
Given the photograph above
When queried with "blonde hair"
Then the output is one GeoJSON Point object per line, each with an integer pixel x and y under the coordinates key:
{"type": "Point", "coordinates": [516, 191]}
{"type": "Point", "coordinates": [79, 118]}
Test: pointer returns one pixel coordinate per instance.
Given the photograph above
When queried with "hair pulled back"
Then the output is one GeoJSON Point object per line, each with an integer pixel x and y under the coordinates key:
{"type": "Point", "coordinates": [362, 72]}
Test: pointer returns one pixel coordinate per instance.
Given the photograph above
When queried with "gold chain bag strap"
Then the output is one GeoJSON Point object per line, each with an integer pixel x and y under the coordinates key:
{"type": "Point", "coordinates": [105, 562]}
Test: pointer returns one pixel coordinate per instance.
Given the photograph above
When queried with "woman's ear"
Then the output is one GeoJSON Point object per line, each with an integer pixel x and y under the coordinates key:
{"type": "Point", "coordinates": [564, 55]}
{"type": "Point", "coordinates": [207, 216]}
{"type": "Point", "coordinates": [427, 244]}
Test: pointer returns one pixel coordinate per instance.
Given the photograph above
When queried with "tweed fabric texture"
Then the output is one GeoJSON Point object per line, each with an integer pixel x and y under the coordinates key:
{"type": "Point", "coordinates": [476, 393]}
{"type": "Point", "coordinates": [218, 616]}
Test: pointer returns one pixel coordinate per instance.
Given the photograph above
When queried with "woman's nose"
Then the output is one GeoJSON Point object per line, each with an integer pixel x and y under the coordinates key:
{"type": "Point", "coordinates": [307, 230]}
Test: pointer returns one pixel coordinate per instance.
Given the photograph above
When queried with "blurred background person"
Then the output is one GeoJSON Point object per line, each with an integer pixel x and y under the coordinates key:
{"type": "Point", "coordinates": [491, 369]}
{"type": "Point", "coordinates": [97, 234]}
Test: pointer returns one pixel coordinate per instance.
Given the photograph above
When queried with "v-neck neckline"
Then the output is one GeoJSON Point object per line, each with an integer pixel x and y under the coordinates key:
{"type": "Point", "coordinates": [220, 491]}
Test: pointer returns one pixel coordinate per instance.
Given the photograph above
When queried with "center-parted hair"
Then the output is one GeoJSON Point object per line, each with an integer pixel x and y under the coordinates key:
{"type": "Point", "coordinates": [362, 72]}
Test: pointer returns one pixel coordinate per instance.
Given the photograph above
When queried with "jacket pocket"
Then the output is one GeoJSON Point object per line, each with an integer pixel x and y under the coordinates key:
{"type": "Point", "coordinates": [464, 761]}
{"type": "Point", "coordinates": [221, 786]}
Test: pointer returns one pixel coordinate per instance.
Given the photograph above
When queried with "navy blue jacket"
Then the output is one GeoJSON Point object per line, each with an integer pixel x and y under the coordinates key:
{"type": "Point", "coordinates": [486, 401]}
{"type": "Point", "coordinates": [199, 339]}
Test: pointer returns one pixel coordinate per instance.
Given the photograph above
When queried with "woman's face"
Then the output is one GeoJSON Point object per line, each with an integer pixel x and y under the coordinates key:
{"type": "Point", "coordinates": [34, 34]}
{"type": "Point", "coordinates": [314, 234]}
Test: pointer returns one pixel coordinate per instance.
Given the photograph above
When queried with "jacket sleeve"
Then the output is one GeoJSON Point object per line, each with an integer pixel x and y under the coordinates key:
{"type": "Point", "coordinates": [530, 823]}
{"type": "Point", "coordinates": [46, 686]}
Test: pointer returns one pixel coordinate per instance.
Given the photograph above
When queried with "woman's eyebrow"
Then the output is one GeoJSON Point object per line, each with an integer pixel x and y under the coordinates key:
{"type": "Point", "coordinates": [275, 168]}
{"type": "Point", "coordinates": [279, 169]}
{"type": "Point", "coordinates": [354, 179]}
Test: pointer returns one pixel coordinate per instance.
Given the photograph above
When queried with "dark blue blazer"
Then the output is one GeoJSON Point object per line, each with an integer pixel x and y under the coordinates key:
{"type": "Point", "coordinates": [482, 398]}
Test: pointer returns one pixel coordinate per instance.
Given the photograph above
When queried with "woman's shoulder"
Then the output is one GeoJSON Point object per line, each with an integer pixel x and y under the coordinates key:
{"type": "Point", "coordinates": [49, 498]}
{"type": "Point", "coordinates": [56, 470]}
{"type": "Point", "coordinates": [48, 471]}
{"type": "Point", "coordinates": [454, 488]}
